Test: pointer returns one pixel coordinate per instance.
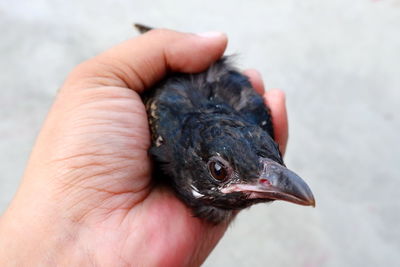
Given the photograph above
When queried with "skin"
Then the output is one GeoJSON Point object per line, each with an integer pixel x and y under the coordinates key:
{"type": "Point", "coordinates": [86, 197]}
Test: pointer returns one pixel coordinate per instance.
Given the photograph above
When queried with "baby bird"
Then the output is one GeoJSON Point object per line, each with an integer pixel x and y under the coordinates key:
{"type": "Point", "coordinates": [213, 140]}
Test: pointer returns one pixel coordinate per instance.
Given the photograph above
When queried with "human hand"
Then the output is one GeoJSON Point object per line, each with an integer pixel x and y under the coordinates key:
{"type": "Point", "coordinates": [87, 197]}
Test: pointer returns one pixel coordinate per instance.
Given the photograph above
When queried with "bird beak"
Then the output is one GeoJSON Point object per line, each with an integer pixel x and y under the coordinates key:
{"type": "Point", "coordinates": [276, 182]}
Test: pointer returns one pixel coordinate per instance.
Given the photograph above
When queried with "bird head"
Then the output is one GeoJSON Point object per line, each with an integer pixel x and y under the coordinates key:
{"type": "Point", "coordinates": [226, 164]}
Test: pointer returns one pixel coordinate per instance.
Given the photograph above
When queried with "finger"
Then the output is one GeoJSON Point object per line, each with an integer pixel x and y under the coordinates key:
{"type": "Point", "coordinates": [275, 99]}
{"type": "Point", "coordinates": [255, 80]}
{"type": "Point", "coordinates": [140, 62]}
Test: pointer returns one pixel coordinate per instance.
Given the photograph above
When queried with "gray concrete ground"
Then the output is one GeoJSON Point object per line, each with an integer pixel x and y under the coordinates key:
{"type": "Point", "coordinates": [337, 60]}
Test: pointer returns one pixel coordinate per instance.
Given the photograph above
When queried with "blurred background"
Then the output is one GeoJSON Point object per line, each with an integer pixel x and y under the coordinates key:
{"type": "Point", "coordinates": [339, 64]}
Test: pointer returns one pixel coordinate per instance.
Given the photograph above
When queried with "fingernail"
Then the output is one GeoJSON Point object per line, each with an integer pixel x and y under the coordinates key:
{"type": "Point", "coordinates": [278, 93]}
{"type": "Point", "coordinates": [211, 34]}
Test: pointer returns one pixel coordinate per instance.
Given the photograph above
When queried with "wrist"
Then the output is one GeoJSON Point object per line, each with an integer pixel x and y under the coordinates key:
{"type": "Point", "coordinates": [31, 242]}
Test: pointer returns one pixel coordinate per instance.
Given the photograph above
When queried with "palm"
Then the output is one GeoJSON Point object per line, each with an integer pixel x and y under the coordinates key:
{"type": "Point", "coordinates": [120, 192]}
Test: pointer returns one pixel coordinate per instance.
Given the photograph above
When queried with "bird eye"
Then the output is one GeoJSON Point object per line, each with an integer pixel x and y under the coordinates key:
{"type": "Point", "coordinates": [218, 171]}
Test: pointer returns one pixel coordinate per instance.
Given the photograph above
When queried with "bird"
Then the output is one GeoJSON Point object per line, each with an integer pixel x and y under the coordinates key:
{"type": "Point", "coordinates": [213, 142]}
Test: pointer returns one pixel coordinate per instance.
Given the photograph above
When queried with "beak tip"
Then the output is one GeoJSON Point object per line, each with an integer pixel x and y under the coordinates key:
{"type": "Point", "coordinates": [311, 201]}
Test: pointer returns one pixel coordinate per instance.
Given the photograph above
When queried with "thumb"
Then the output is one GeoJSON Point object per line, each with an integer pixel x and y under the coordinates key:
{"type": "Point", "coordinates": [140, 62]}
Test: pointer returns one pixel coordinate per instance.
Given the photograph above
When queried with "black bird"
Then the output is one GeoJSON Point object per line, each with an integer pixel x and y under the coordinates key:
{"type": "Point", "coordinates": [212, 137]}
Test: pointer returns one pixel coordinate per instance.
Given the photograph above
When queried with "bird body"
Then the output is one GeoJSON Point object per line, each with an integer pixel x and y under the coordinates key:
{"type": "Point", "coordinates": [213, 141]}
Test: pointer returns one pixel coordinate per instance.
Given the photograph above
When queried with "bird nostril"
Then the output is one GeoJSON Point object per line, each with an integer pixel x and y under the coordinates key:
{"type": "Point", "coordinates": [264, 181]}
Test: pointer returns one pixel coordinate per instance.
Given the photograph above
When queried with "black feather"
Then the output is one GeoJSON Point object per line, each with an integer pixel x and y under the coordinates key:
{"type": "Point", "coordinates": [194, 117]}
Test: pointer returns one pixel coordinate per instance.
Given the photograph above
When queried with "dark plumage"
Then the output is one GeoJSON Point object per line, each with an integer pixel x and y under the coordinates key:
{"type": "Point", "coordinates": [212, 139]}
